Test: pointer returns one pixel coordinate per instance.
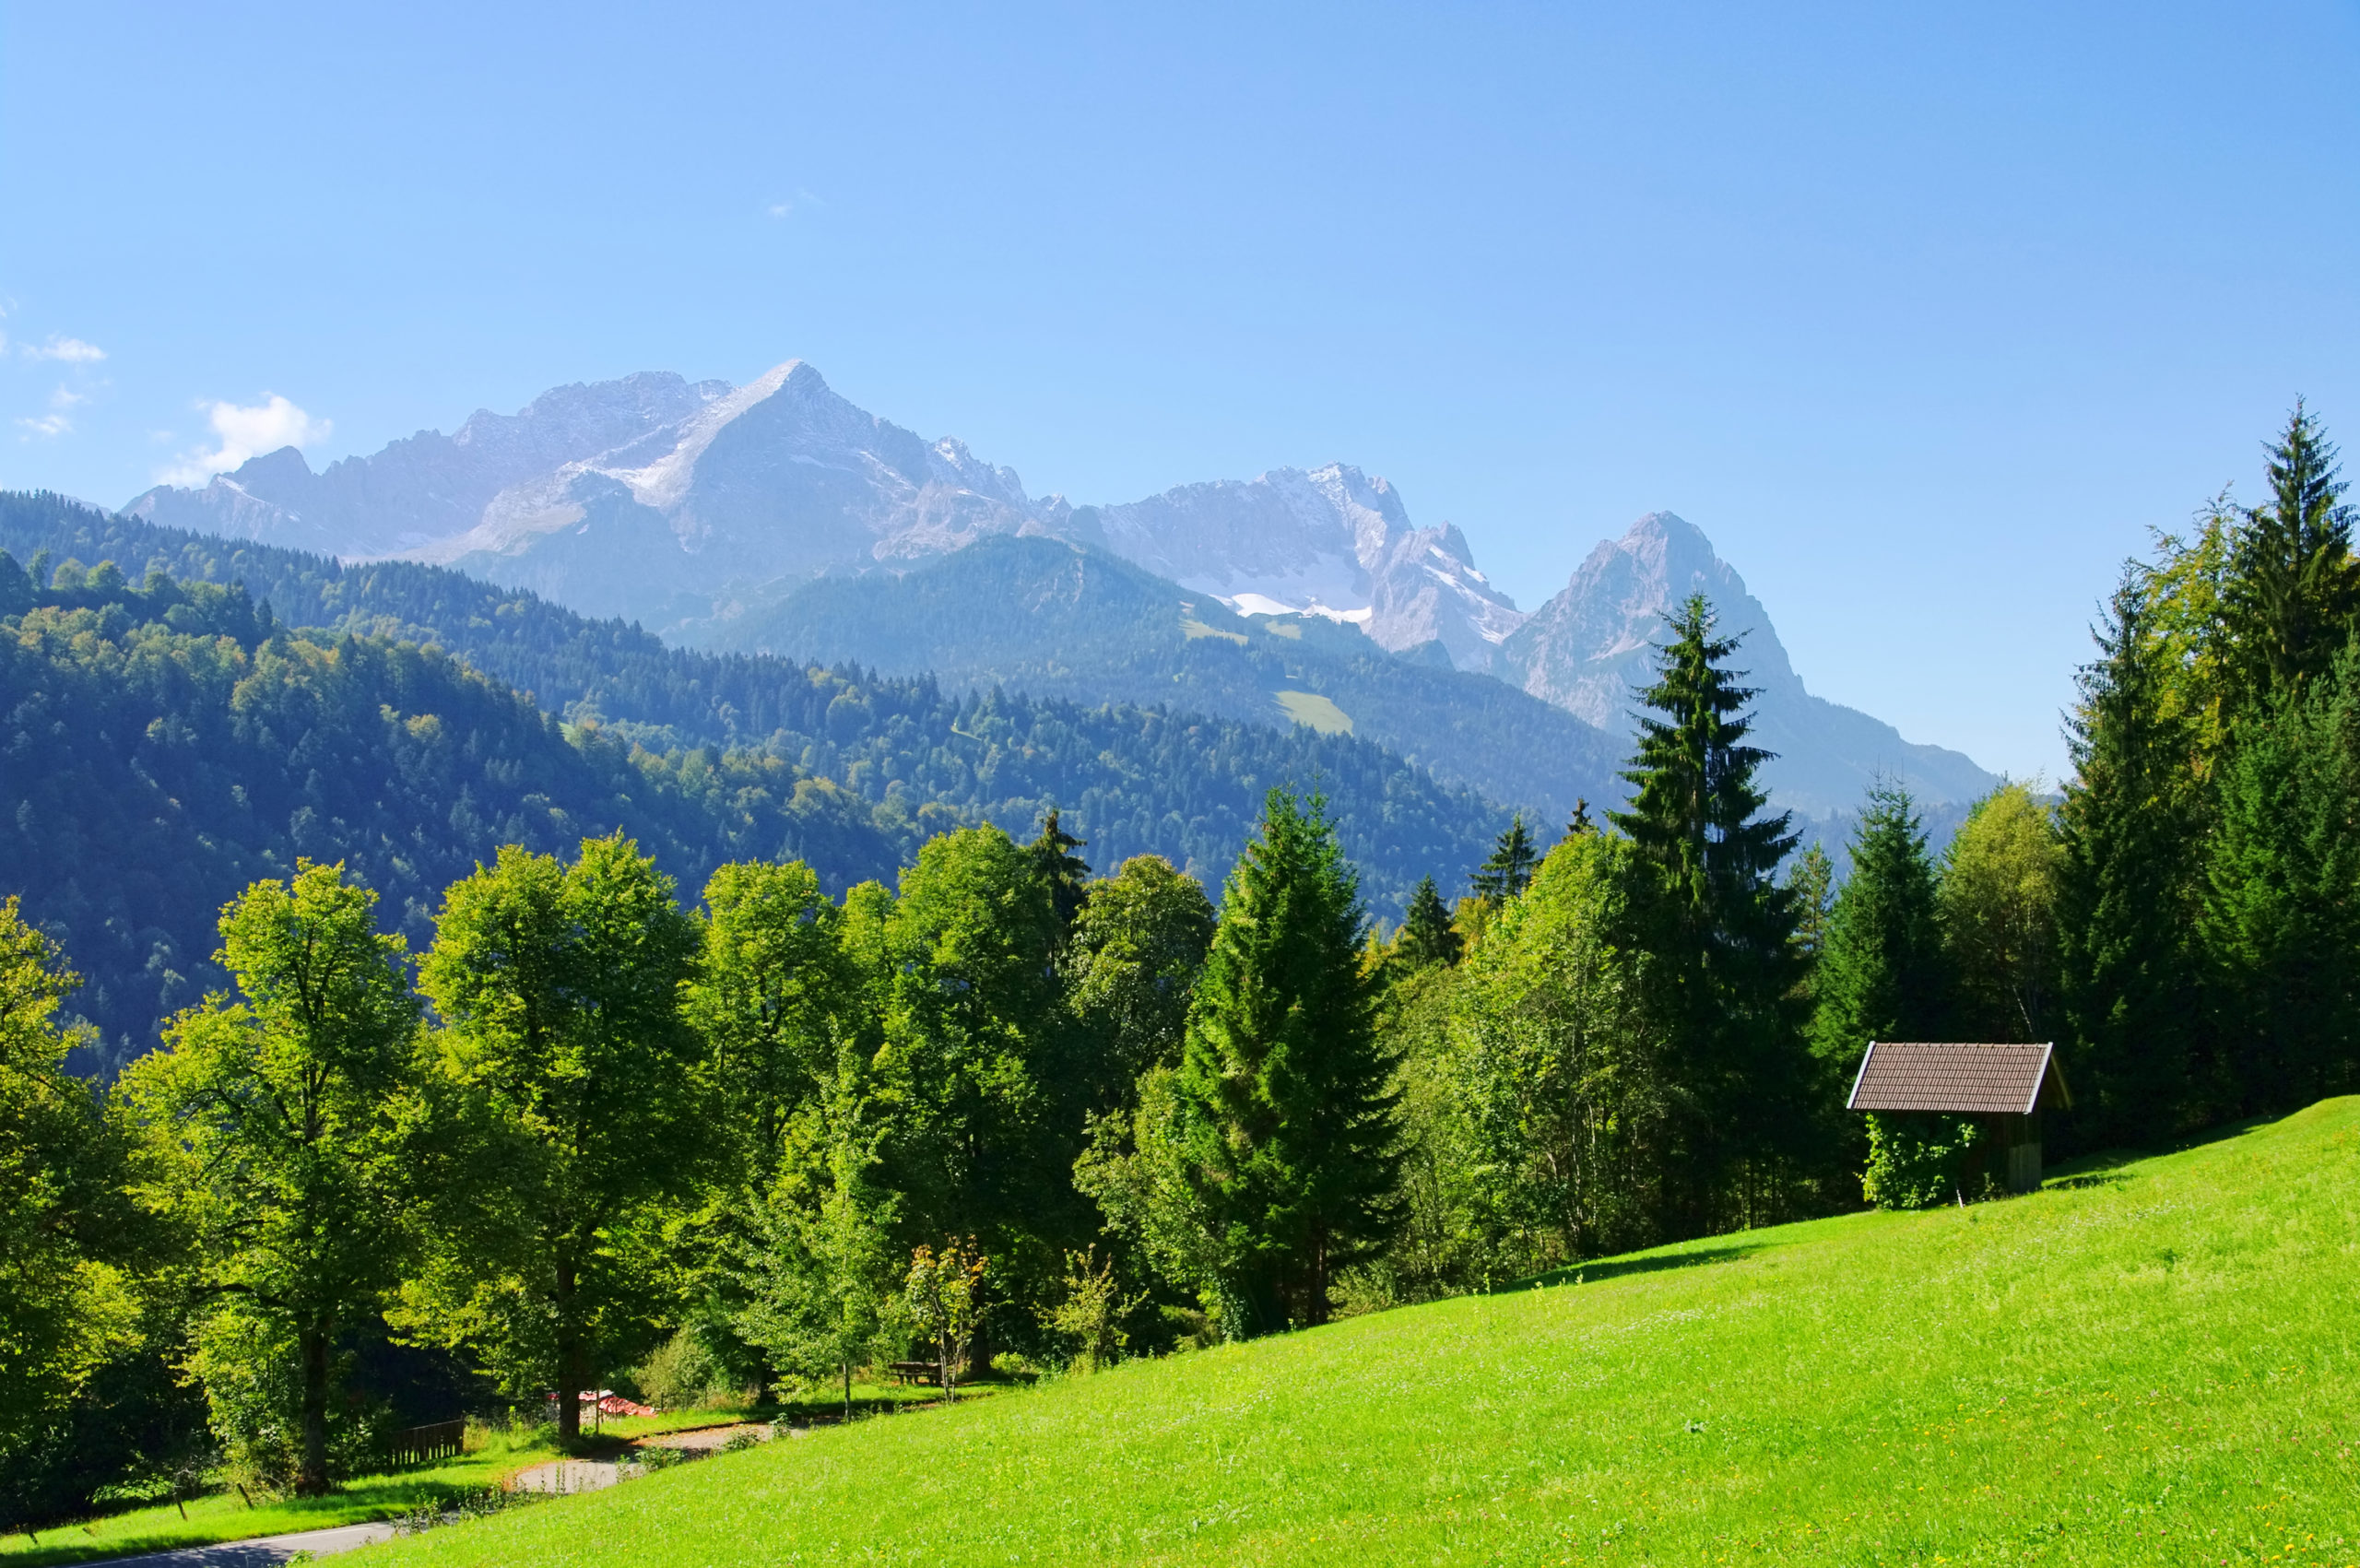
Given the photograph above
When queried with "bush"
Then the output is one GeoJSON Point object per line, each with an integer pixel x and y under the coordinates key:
{"type": "Point", "coordinates": [684, 1374]}
{"type": "Point", "coordinates": [1922, 1160]}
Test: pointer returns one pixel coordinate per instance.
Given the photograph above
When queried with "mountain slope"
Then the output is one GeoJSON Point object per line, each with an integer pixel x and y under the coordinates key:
{"type": "Point", "coordinates": [1055, 619]}
{"type": "Point", "coordinates": [1332, 542]}
{"type": "Point", "coordinates": [1590, 648]}
{"type": "Point", "coordinates": [161, 752]}
{"type": "Point", "coordinates": [2131, 1368]}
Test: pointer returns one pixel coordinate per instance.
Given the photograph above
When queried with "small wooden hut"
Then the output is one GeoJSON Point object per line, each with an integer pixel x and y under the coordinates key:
{"type": "Point", "coordinates": [2007, 1085]}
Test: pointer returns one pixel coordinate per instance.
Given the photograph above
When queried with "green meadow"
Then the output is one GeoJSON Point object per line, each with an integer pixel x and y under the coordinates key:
{"type": "Point", "coordinates": [2151, 1361]}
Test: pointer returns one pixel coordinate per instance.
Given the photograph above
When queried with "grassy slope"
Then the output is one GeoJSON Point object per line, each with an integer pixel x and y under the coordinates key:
{"type": "Point", "coordinates": [225, 1516]}
{"type": "Point", "coordinates": [2156, 1364]}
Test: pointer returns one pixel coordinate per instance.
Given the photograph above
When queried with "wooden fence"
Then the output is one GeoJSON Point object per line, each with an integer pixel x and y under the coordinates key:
{"type": "Point", "coordinates": [424, 1444]}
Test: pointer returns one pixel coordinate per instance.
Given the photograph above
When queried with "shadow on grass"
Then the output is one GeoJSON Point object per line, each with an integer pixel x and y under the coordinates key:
{"type": "Point", "coordinates": [1622, 1267]}
{"type": "Point", "coordinates": [2086, 1182]}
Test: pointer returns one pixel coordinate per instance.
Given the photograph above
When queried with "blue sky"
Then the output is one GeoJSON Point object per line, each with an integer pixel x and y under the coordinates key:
{"type": "Point", "coordinates": [1924, 318]}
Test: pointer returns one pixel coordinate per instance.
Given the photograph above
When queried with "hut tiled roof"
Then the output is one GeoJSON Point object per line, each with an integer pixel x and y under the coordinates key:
{"type": "Point", "coordinates": [1960, 1077]}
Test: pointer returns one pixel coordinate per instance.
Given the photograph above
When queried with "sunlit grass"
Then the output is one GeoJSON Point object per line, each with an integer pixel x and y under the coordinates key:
{"type": "Point", "coordinates": [2156, 1364]}
{"type": "Point", "coordinates": [227, 1516]}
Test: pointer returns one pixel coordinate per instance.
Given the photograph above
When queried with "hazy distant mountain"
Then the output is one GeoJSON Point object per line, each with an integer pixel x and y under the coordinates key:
{"type": "Point", "coordinates": [646, 498]}
{"type": "Point", "coordinates": [1331, 542]}
{"type": "Point", "coordinates": [682, 506]}
{"type": "Point", "coordinates": [1054, 618]}
{"type": "Point", "coordinates": [1588, 650]}
{"type": "Point", "coordinates": [430, 487]}
{"type": "Point", "coordinates": [699, 509]}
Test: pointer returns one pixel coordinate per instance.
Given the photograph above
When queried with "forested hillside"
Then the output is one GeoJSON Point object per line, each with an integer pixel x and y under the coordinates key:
{"type": "Point", "coordinates": [1056, 619]}
{"type": "Point", "coordinates": [172, 741]}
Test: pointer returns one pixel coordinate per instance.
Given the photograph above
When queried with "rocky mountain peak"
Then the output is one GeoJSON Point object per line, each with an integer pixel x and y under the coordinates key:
{"type": "Point", "coordinates": [1591, 648]}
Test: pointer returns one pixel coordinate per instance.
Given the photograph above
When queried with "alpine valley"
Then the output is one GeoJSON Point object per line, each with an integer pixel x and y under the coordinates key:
{"type": "Point", "coordinates": [777, 517]}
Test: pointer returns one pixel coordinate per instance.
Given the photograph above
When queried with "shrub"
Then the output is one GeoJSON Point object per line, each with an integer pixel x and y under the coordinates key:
{"type": "Point", "coordinates": [684, 1374]}
{"type": "Point", "coordinates": [1921, 1160]}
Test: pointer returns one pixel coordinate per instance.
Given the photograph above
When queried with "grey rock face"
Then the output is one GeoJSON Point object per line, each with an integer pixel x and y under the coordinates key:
{"type": "Point", "coordinates": [1592, 647]}
{"type": "Point", "coordinates": [1330, 542]}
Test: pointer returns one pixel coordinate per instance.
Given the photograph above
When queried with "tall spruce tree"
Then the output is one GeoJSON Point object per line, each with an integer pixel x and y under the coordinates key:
{"type": "Point", "coordinates": [1067, 873]}
{"type": "Point", "coordinates": [2125, 889]}
{"type": "Point", "coordinates": [2279, 909]}
{"type": "Point", "coordinates": [2293, 589]}
{"type": "Point", "coordinates": [1509, 870]}
{"type": "Point", "coordinates": [1427, 935]}
{"type": "Point", "coordinates": [1886, 974]}
{"type": "Point", "coordinates": [1707, 904]}
{"type": "Point", "coordinates": [1282, 1088]}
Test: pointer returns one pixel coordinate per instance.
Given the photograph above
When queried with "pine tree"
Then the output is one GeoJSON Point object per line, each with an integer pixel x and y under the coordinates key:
{"type": "Point", "coordinates": [2293, 589]}
{"type": "Point", "coordinates": [1509, 870]}
{"type": "Point", "coordinates": [2277, 913]}
{"type": "Point", "coordinates": [1580, 822]}
{"type": "Point", "coordinates": [1290, 1125]}
{"type": "Point", "coordinates": [1721, 927]}
{"type": "Point", "coordinates": [1427, 935]}
{"type": "Point", "coordinates": [2125, 888]}
{"type": "Point", "coordinates": [1067, 873]}
{"type": "Point", "coordinates": [1886, 974]}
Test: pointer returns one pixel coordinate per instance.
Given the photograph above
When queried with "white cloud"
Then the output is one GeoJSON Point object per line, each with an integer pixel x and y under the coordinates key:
{"type": "Point", "coordinates": [71, 350]}
{"type": "Point", "coordinates": [241, 432]}
{"type": "Point", "coordinates": [49, 426]}
{"type": "Point", "coordinates": [66, 397]}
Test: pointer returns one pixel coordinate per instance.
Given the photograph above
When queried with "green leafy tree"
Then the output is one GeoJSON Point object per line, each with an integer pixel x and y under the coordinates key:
{"type": "Point", "coordinates": [278, 1120]}
{"type": "Point", "coordinates": [764, 998]}
{"type": "Point", "coordinates": [944, 1297]}
{"type": "Point", "coordinates": [66, 1236]}
{"type": "Point", "coordinates": [1091, 1317]}
{"type": "Point", "coordinates": [818, 1264]}
{"type": "Point", "coordinates": [1427, 935]}
{"type": "Point", "coordinates": [1561, 1066]}
{"type": "Point", "coordinates": [1997, 903]}
{"type": "Point", "coordinates": [1706, 905]}
{"type": "Point", "coordinates": [2125, 893]}
{"type": "Point", "coordinates": [577, 1096]}
{"type": "Point", "coordinates": [1138, 946]}
{"type": "Point", "coordinates": [1508, 871]}
{"type": "Point", "coordinates": [976, 1076]}
{"type": "Point", "coordinates": [1283, 1087]}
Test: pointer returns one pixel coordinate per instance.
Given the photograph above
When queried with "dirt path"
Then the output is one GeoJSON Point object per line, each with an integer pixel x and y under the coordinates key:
{"type": "Point", "coordinates": [262, 1552]}
{"type": "Point", "coordinates": [596, 1474]}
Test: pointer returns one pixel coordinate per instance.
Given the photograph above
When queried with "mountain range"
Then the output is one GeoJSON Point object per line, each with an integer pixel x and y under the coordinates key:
{"type": "Point", "coordinates": [736, 517]}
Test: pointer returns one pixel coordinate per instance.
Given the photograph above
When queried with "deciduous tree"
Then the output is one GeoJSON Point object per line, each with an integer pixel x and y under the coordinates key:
{"type": "Point", "coordinates": [277, 1118]}
{"type": "Point", "coordinates": [578, 1094]}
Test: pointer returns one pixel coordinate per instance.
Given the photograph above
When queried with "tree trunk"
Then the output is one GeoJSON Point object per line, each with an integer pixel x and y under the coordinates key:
{"type": "Point", "coordinates": [569, 1357]}
{"type": "Point", "coordinates": [312, 1473]}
